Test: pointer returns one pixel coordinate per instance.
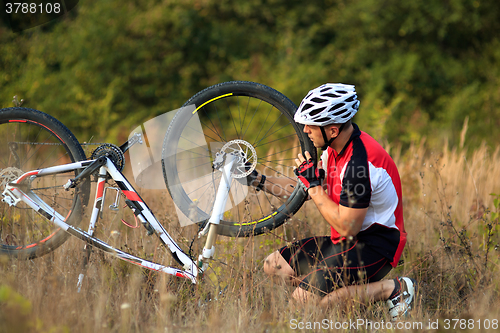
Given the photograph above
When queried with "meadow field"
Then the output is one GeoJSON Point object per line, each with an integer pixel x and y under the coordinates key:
{"type": "Point", "coordinates": [421, 68]}
{"type": "Point", "coordinates": [451, 207]}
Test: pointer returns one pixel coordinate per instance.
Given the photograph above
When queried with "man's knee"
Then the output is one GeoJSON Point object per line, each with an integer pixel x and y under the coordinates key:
{"type": "Point", "coordinates": [275, 264]}
{"type": "Point", "coordinates": [271, 265]}
{"type": "Point", "coordinates": [302, 296]}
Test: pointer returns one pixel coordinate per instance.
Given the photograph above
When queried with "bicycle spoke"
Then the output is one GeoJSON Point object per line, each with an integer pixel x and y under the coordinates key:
{"type": "Point", "coordinates": [260, 129]}
{"type": "Point", "coordinates": [265, 135]}
{"type": "Point", "coordinates": [253, 116]}
{"type": "Point", "coordinates": [232, 120]}
{"type": "Point", "coordinates": [275, 140]}
{"type": "Point", "coordinates": [245, 116]}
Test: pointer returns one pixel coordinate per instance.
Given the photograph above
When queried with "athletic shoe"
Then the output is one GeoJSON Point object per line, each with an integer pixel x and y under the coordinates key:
{"type": "Point", "coordinates": [403, 302]}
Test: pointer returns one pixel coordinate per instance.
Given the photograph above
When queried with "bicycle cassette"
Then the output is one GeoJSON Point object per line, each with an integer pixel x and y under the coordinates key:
{"type": "Point", "coordinates": [113, 152]}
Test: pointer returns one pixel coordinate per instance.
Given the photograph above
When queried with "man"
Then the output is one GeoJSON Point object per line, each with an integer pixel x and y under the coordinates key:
{"type": "Point", "coordinates": [362, 203]}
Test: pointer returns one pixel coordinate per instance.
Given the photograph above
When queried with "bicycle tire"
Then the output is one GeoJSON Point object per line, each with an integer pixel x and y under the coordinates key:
{"type": "Point", "coordinates": [31, 140]}
{"type": "Point", "coordinates": [232, 100]}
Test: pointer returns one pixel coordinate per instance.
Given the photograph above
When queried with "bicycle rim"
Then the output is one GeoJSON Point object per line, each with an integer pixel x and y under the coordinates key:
{"type": "Point", "coordinates": [238, 116]}
{"type": "Point", "coordinates": [31, 140]}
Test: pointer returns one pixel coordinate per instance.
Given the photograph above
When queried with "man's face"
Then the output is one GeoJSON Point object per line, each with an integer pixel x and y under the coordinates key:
{"type": "Point", "coordinates": [314, 133]}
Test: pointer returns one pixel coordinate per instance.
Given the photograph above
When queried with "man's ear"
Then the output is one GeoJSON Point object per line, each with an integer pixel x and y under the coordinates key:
{"type": "Point", "coordinates": [332, 130]}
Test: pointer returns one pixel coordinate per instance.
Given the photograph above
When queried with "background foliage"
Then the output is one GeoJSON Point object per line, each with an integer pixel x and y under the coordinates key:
{"type": "Point", "coordinates": [420, 67]}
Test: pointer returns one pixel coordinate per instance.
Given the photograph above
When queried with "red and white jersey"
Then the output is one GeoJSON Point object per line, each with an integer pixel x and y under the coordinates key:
{"type": "Point", "coordinates": [363, 175]}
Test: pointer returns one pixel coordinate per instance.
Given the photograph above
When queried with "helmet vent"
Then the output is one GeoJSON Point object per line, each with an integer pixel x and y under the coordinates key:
{"type": "Point", "coordinates": [323, 120]}
{"type": "Point", "coordinates": [341, 112]}
{"type": "Point", "coordinates": [338, 106]}
{"type": "Point", "coordinates": [318, 100]}
{"type": "Point", "coordinates": [331, 95]}
{"type": "Point", "coordinates": [307, 107]}
{"type": "Point", "coordinates": [315, 112]}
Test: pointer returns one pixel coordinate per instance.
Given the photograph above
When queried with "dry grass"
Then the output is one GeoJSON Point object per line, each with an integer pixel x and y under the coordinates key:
{"type": "Point", "coordinates": [452, 252]}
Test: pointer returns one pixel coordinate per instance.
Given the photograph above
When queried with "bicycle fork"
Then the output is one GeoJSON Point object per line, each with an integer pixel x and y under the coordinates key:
{"type": "Point", "coordinates": [99, 201]}
{"type": "Point", "coordinates": [217, 213]}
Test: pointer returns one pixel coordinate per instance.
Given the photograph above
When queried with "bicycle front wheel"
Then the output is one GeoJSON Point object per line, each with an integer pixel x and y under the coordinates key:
{"type": "Point", "coordinates": [32, 140]}
{"type": "Point", "coordinates": [246, 118]}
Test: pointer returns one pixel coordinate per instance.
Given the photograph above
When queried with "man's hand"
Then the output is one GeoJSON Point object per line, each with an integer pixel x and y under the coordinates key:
{"type": "Point", "coordinates": [251, 179]}
{"type": "Point", "coordinates": [307, 172]}
{"type": "Point", "coordinates": [248, 180]}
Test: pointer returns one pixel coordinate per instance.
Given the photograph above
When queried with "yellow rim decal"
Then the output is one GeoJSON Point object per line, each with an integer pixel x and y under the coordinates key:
{"type": "Point", "coordinates": [258, 221]}
{"type": "Point", "coordinates": [213, 99]}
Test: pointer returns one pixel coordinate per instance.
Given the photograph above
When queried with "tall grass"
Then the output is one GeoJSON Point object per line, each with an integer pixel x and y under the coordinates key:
{"type": "Point", "coordinates": [452, 251]}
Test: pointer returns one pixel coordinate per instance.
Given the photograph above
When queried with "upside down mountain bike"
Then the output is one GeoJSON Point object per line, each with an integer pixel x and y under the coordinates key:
{"type": "Point", "coordinates": [205, 154]}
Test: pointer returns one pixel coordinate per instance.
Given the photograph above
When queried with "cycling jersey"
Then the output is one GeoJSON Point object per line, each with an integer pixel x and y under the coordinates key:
{"type": "Point", "coordinates": [363, 175]}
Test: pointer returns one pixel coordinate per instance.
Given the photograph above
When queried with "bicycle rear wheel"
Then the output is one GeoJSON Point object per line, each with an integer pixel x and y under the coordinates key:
{"type": "Point", "coordinates": [31, 140]}
{"type": "Point", "coordinates": [242, 117]}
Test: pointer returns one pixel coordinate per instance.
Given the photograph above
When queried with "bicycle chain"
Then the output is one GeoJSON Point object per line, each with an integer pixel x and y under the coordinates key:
{"type": "Point", "coordinates": [55, 143]}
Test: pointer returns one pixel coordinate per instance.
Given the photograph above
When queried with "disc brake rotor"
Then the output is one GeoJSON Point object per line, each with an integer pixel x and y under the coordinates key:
{"type": "Point", "coordinates": [246, 157]}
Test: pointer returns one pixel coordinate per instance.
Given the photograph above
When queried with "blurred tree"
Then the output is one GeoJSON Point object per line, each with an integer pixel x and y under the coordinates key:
{"type": "Point", "coordinates": [420, 67]}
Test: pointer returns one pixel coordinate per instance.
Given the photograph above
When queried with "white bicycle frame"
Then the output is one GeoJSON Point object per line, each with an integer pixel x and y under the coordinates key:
{"type": "Point", "coordinates": [15, 192]}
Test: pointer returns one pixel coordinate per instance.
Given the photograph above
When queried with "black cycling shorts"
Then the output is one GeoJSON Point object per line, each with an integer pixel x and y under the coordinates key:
{"type": "Point", "coordinates": [325, 266]}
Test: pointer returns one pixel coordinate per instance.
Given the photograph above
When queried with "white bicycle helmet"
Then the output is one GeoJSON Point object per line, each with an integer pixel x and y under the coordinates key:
{"type": "Point", "coordinates": [331, 103]}
{"type": "Point", "coordinates": [328, 104]}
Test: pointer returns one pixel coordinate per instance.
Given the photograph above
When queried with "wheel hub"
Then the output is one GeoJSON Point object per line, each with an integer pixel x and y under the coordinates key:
{"type": "Point", "coordinates": [246, 157]}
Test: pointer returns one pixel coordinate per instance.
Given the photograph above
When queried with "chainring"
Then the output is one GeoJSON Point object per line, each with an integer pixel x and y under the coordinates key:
{"type": "Point", "coordinates": [8, 175]}
{"type": "Point", "coordinates": [113, 152]}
